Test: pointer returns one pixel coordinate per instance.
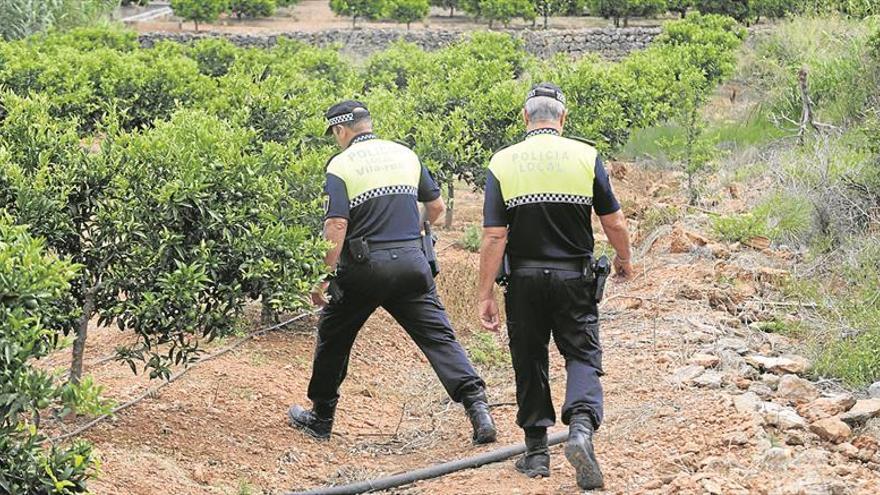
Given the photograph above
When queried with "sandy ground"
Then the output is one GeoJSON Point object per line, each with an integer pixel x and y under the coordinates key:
{"type": "Point", "coordinates": [222, 428]}
{"type": "Point", "coordinates": [315, 15]}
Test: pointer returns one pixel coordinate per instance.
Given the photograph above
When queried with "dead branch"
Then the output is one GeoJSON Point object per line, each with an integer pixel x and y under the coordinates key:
{"type": "Point", "coordinates": [807, 116]}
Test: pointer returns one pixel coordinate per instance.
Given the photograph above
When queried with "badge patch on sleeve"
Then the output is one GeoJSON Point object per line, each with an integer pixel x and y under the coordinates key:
{"type": "Point", "coordinates": [326, 204]}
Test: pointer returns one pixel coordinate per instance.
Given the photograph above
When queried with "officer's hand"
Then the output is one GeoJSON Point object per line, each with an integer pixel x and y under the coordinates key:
{"type": "Point", "coordinates": [489, 314]}
{"type": "Point", "coordinates": [319, 295]}
{"type": "Point", "coordinates": [623, 269]}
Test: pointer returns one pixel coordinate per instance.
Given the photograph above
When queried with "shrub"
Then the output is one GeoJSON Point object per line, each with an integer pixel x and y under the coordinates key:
{"type": "Point", "coordinates": [252, 8]}
{"type": "Point", "coordinates": [625, 9]}
{"type": "Point", "coordinates": [214, 56]}
{"type": "Point", "coordinates": [198, 11]}
{"type": "Point", "coordinates": [365, 9]}
{"type": "Point", "coordinates": [33, 283]}
{"type": "Point", "coordinates": [781, 217]}
{"type": "Point", "coordinates": [504, 11]}
{"type": "Point", "coordinates": [408, 11]}
{"type": "Point", "coordinates": [471, 239]}
{"type": "Point", "coordinates": [216, 226]}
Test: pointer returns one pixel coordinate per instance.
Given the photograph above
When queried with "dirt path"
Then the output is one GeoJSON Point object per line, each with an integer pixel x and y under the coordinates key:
{"type": "Point", "coordinates": [222, 430]}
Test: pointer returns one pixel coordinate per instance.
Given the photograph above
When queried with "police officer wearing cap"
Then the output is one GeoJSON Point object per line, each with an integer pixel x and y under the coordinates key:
{"type": "Point", "coordinates": [372, 221]}
{"type": "Point", "coordinates": [540, 194]}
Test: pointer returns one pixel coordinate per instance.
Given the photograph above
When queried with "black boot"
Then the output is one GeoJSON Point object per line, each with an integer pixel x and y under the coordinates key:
{"type": "Point", "coordinates": [579, 452]}
{"type": "Point", "coordinates": [317, 422]}
{"type": "Point", "coordinates": [535, 462]}
{"type": "Point", "coordinates": [477, 409]}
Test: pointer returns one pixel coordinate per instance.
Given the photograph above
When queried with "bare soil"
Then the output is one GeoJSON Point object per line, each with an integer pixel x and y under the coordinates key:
{"type": "Point", "coordinates": [315, 15]}
{"type": "Point", "coordinates": [222, 428]}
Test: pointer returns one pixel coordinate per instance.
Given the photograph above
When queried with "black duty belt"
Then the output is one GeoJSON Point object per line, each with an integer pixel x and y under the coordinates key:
{"type": "Point", "coordinates": [569, 265]}
{"type": "Point", "coordinates": [378, 246]}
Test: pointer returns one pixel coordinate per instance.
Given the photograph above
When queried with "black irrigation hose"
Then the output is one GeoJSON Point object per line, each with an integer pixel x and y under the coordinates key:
{"type": "Point", "coordinates": [428, 472]}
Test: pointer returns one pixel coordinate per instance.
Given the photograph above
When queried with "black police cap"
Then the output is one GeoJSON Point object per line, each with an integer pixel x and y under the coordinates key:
{"type": "Point", "coordinates": [549, 90]}
{"type": "Point", "coordinates": [345, 112]}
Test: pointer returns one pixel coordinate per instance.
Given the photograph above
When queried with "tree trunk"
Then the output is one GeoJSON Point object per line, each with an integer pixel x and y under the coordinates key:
{"type": "Point", "coordinates": [407, 26]}
{"type": "Point", "coordinates": [626, 21]}
{"type": "Point", "coordinates": [197, 25]}
{"type": "Point", "coordinates": [617, 22]}
{"type": "Point", "coordinates": [451, 11]}
{"type": "Point", "coordinates": [353, 21]}
{"type": "Point", "coordinates": [546, 20]}
{"type": "Point", "coordinates": [82, 334]}
{"type": "Point", "coordinates": [267, 314]}
{"type": "Point", "coordinates": [450, 206]}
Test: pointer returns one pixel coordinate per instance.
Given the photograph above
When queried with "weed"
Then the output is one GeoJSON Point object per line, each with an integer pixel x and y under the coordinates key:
{"type": "Point", "coordinates": [244, 488]}
{"type": "Point", "coordinates": [484, 350]}
{"type": "Point", "coordinates": [780, 217]}
{"type": "Point", "coordinates": [657, 217]}
{"type": "Point", "coordinates": [472, 238]}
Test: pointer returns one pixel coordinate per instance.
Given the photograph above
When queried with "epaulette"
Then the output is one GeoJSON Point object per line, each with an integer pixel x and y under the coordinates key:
{"type": "Point", "coordinates": [583, 140]}
{"type": "Point", "coordinates": [498, 150]}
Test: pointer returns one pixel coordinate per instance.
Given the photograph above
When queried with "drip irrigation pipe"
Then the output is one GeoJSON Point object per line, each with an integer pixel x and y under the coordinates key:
{"type": "Point", "coordinates": [429, 472]}
{"type": "Point", "coordinates": [152, 392]}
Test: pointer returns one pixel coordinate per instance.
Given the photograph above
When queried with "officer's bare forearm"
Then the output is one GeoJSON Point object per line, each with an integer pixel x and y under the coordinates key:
{"type": "Point", "coordinates": [617, 231]}
{"type": "Point", "coordinates": [435, 209]}
{"type": "Point", "coordinates": [491, 254]}
{"type": "Point", "coordinates": [334, 231]}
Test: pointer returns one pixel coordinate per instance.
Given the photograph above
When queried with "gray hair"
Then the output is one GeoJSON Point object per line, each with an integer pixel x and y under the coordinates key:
{"type": "Point", "coordinates": [544, 109]}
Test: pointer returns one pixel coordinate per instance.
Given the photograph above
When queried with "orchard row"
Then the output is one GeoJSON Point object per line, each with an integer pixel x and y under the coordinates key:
{"type": "Point", "coordinates": [163, 189]}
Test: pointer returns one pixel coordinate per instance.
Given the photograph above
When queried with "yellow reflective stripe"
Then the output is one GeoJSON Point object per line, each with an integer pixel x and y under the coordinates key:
{"type": "Point", "coordinates": [546, 168]}
{"type": "Point", "coordinates": [375, 168]}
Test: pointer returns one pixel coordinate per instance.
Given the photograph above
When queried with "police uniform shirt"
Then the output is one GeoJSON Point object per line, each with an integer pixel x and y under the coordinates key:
{"type": "Point", "coordinates": [544, 189]}
{"type": "Point", "coordinates": [376, 185]}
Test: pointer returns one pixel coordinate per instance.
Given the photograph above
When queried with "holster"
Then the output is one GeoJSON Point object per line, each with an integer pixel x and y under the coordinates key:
{"type": "Point", "coordinates": [428, 241]}
{"type": "Point", "coordinates": [503, 277]}
{"type": "Point", "coordinates": [359, 250]}
{"type": "Point", "coordinates": [601, 269]}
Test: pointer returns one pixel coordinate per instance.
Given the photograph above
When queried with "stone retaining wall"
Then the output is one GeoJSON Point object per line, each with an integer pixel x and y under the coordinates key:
{"type": "Point", "coordinates": [610, 43]}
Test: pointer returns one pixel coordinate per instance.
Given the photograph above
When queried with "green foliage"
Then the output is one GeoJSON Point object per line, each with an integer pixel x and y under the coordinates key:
{"type": "Point", "coordinates": [19, 19]}
{"type": "Point", "coordinates": [199, 11]}
{"type": "Point", "coordinates": [215, 226]}
{"type": "Point", "coordinates": [32, 284]}
{"type": "Point", "coordinates": [472, 238]}
{"type": "Point", "coordinates": [363, 9]}
{"type": "Point", "coordinates": [781, 217]}
{"type": "Point", "coordinates": [625, 9]}
{"type": "Point", "coordinates": [484, 350]}
{"type": "Point", "coordinates": [214, 56]}
{"type": "Point", "coordinates": [446, 4]}
{"type": "Point", "coordinates": [850, 298]}
{"type": "Point", "coordinates": [252, 8]}
{"type": "Point", "coordinates": [504, 11]}
{"type": "Point", "coordinates": [408, 11]}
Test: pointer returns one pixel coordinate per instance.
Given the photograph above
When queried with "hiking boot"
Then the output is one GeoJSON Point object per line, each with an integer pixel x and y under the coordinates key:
{"type": "Point", "coordinates": [481, 421]}
{"type": "Point", "coordinates": [535, 463]}
{"type": "Point", "coordinates": [310, 422]}
{"type": "Point", "coordinates": [579, 452]}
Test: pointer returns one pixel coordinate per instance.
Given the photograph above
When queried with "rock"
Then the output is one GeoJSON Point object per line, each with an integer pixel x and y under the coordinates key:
{"type": "Point", "coordinates": [761, 390]}
{"type": "Point", "coordinates": [782, 417]}
{"type": "Point", "coordinates": [686, 374]}
{"type": "Point", "coordinates": [678, 241]}
{"type": "Point", "coordinates": [796, 390]}
{"type": "Point", "coordinates": [735, 438]}
{"type": "Point", "coordinates": [795, 437]}
{"type": "Point", "coordinates": [777, 455]}
{"type": "Point", "coordinates": [709, 379]}
{"type": "Point", "coordinates": [746, 403]}
{"type": "Point", "coordinates": [770, 379]}
{"type": "Point", "coordinates": [862, 411]}
{"type": "Point", "coordinates": [847, 449]}
{"type": "Point", "coordinates": [779, 365]}
{"type": "Point", "coordinates": [734, 344]}
{"type": "Point", "coordinates": [866, 442]}
{"type": "Point", "coordinates": [704, 360]}
{"type": "Point", "coordinates": [826, 407]}
{"type": "Point", "coordinates": [874, 390]}
{"type": "Point", "coordinates": [740, 382]}
{"type": "Point", "coordinates": [831, 429]}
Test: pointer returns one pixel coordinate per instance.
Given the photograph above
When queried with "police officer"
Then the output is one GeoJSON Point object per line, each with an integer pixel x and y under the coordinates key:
{"type": "Point", "coordinates": [540, 194]}
{"type": "Point", "coordinates": [372, 221]}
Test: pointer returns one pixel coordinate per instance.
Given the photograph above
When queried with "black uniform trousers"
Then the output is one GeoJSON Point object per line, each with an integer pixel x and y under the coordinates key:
{"type": "Point", "coordinates": [541, 302]}
{"type": "Point", "coordinates": [400, 281]}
